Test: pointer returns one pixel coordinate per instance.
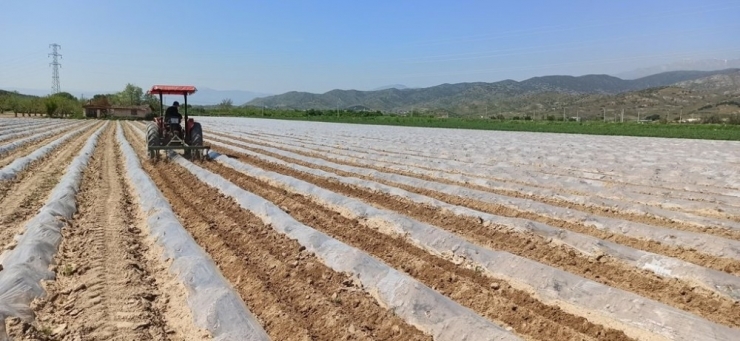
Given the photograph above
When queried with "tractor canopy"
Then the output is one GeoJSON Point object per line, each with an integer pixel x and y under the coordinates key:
{"type": "Point", "coordinates": [172, 90]}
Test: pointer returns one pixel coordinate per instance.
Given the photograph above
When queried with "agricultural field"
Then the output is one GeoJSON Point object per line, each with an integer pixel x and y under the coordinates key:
{"type": "Point", "coordinates": [326, 231]}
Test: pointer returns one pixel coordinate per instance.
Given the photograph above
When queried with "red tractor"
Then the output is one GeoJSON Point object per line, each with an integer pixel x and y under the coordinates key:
{"type": "Point", "coordinates": [167, 133]}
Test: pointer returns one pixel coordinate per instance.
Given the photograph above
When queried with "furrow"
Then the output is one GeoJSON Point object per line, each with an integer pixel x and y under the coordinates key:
{"type": "Point", "coordinates": [106, 286]}
{"type": "Point", "coordinates": [724, 226]}
{"type": "Point", "coordinates": [715, 299]}
{"type": "Point", "coordinates": [21, 198]}
{"type": "Point", "coordinates": [714, 255]}
{"type": "Point", "coordinates": [491, 298]}
{"type": "Point", "coordinates": [293, 294]}
{"type": "Point", "coordinates": [441, 243]}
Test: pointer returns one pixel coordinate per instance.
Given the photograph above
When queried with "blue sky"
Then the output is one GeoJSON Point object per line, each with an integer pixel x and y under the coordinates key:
{"type": "Point", "coordinates": [317, 46]}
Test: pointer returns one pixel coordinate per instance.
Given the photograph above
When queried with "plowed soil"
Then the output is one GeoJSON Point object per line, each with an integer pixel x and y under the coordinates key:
{"type": "Point", "coordinates": [294, 295]}
{"type": "Point", "coordinates": [604, 270]}
{"type": "Point", "coordinates": [109, 283]}
{"type": "Point", "coordinates": [593, 209]}
{"type": "Point", "coordinates": [492, 298]}
{"type": "Point", "coordinates": [7, 158]}
{"type": "Point", "coordinates": [112, 282]}
{"type": "Point", "coordinates": [690, 255]}
{"type": "Point", "coordinates": [23, 196]}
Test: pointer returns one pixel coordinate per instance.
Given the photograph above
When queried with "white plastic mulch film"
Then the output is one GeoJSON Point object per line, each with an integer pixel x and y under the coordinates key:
{"type": "Point", "coordinates": [34, 129]}
{"type": "Point", "coordinates": [213, 302]}
{"type": "Point", "coordinates": [414, 302]}
{"type": "Point", "coordinates": [28, 263]}
{"type": "Point", "coordinates": [8, 172]}
{"type": "Point", "coordinates": [720, 282]}
{"type": "Point", "coordinates": [550, 284]}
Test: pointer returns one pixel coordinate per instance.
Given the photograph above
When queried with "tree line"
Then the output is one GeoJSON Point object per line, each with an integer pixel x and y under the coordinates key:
{"type": "Point", "coordinates": [61, 104]}
{"type": "Point", "coordinates": [64, 104]}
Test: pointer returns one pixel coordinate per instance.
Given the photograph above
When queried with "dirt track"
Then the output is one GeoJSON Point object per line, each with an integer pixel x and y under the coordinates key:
{"type": "Point", "coordinates": [109, 285]}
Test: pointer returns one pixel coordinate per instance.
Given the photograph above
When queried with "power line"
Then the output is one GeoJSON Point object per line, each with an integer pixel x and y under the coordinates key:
{"type": "Point", "coordinates": [56, 65]}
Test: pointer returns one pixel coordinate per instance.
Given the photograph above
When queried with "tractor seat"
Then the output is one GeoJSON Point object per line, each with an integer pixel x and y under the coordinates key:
{"type": "Point", "coordinates": [172, 124]}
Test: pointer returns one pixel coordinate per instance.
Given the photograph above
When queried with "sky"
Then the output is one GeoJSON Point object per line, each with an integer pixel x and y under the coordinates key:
{"type": "Point", "coordinates": [316, 46]}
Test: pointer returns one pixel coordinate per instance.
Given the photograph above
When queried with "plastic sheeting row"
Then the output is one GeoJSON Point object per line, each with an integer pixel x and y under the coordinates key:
{"type": "Point", "coordinates": [414, 302]}
{"type": "Point", "coordinates": [48, 131]}
{"type": "Point", "coordinates": [593, 193]}
{"type": "Point", "coordinates": [9, 172]}
{"type": "Point", "coordinates": [658, 162]}
{"type": "Point", "coordinates": [710, 244]}
{"type": "Point", "coordinates": [28, 263]}
{"type": "Point", "coordinates": [717, 281]}
{"type": "Point", "coordinates": [33, 129]}
{"type": "Point", "coordinates": [551, 285]}
{"type": "Point", "coordinates": [496, 177]}
{"type": "Point", "coordinates": [213, 302]}
{"type": "Point", "coordinates": [6, 123]}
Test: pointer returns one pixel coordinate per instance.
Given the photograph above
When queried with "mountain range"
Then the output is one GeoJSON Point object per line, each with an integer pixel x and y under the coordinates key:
{"type": "Point", "coordinates": [686, 64]}
{"type": "Point", "coordinates": [467, 98]}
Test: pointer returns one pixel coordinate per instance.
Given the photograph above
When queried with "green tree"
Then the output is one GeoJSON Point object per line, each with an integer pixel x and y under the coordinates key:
{"type": "Point", "coordinates": [65, 95]}
{"type": "Point", "coordinates": [152, 101]}
{"type": "Point", "coordinates": [226, 103]}
{"type": "Point", "coordinates": [51, 105]}
{"type": "Point", "coordinates": [131, 95]}
{"type": "Point", "coordinates": [4, 103]}
{"type": "Point", "coordinates": [14, 102]}
{"type": "Point", "coordinates": [100, 100]}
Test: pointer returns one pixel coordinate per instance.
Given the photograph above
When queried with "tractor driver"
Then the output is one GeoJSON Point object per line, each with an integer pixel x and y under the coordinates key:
{"type": "Point", "coordinates": [172, 112]}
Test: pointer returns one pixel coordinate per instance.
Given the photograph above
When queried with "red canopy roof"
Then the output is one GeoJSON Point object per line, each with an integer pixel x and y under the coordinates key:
{"type": "Point", "coordinates": [172, 89]}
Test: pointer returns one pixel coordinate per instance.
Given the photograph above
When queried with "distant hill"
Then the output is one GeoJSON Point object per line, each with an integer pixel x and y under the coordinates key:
{"type": "Point", "coordinates": [469, 98]}
{"type": "Point", "coordinates": [28, 92]}
{"type": "Point", "coordinates": [724, 83]}
{"type": "Point", "coordinates": [394, 86]}
{"type": "Point", "coordinates": [687, 64]}
{"type": "Point", "coordinates": [20, 94]}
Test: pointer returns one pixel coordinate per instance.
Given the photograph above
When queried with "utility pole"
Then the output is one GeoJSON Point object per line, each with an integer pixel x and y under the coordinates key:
{"type": "Point", "coordinates": [55, 67]}
{"type": "Point", "coordinates": [680, 116]}
{"type": "Point", "coordinates": [622, 115]}
{"type": "Point", "coordinates": [564, 115]}
{"type": "Point", "coordinates": [638, 114]}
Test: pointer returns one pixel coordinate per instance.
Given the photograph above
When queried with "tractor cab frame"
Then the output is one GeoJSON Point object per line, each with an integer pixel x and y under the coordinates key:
{"type": "Point", "coordinates": [164, 136]}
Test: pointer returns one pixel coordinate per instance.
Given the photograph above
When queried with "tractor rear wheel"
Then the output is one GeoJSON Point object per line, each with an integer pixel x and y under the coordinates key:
{"type": "Point", "coordinates": [196, 135]}
{"type": "Point", "coordinates": [196, 140]}
{"type": "Point", "coordinates": [152, 139]}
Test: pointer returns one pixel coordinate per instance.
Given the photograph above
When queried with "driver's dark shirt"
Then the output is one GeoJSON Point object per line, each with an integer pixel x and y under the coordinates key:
{"type": "Point", "coordinates": [172, 112]}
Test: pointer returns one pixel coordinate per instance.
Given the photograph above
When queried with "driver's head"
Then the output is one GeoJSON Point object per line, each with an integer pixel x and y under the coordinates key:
{"type": "Point", "coordinates": [176, 104]}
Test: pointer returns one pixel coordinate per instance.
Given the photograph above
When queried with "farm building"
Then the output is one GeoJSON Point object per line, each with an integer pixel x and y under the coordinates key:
{"type": "Point", "coordinates": [92, 110]}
